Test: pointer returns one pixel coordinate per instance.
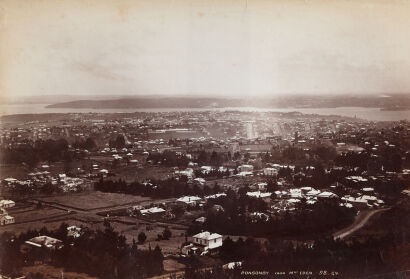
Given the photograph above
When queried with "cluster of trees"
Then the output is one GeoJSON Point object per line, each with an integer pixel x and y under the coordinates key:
{"type": "Point", "coordinates": [387, 161]}
{"type": "Point", "coordinates": [353, 159]}
{"type": "Point", "coordinates": [166, 234]}
{"type": "Point", "coordinates": [100, 253]}
{"type": "Point", "coordinates": [118, 143]}
{"type": "Point", "coordinates": [213, 158]}
{"type": "Point", "coordinates": [32, 153]}
{"type": "Point", "coordinates": [320, 218]}
{"type": "Point", "coordinates": [317, 178]}
{"type": "Point", "coordinates": [88, 144]}
{"type": "Point", "coordinates": [169, 159]}
{"type": "Point", "coordinates": [169, 188]}
{"type": "Point", "coordinates": [19, 190]}
{"type": "Point", "coordinates": [294, 154]}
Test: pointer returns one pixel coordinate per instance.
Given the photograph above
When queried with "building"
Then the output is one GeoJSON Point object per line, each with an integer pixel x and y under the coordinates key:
{"type": "Point", "coordinates": [153, 211]}
{"type": "Point", "coordinates": [62, 177]}
{"type": "Point", "coordinates": [245, 168]}
{"type": "Point", "coordinates": [259, 194]}
{"type": "Point", "coordinates": [189, 200]}
{"type": "Point", "coordinates": [270, 171]}
{"type": "Point", "coordinates": [45, 241]}
{"type": "Point", "coordinates": [207, 240]}
{"type": "Point", "coordinates": [5, 219]}
{"type": "Point", "coordinates": [7, 203]}
{"type": "Point", "coordinates": [203, 243]}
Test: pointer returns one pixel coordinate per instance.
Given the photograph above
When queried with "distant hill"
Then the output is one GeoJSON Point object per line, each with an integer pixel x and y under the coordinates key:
{"type": "Point", "coordinates": [393, 102]}
{"type": "Point", "coordinates": [177, 102]}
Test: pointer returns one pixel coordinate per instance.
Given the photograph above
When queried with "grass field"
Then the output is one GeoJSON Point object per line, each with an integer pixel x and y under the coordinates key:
{"type": "Point", "coordinates": [51, 272]}
{"type": "Point", "coordinates": [171, 246]}
{"type": "Point", "coordinates": [171, 265]}
{"type": "Point", "coordinates": [36, 214]}
{"type": "Point", "coordinates": [27, 216]}
{"type": "Point", "coordinates": [94, 200]}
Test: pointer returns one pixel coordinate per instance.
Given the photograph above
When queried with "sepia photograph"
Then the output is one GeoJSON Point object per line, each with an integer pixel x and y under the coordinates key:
{"type": "Point", "coordinates": [196, 139]}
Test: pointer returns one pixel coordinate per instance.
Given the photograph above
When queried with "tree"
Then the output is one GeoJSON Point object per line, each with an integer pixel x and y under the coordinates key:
{"type": "Point", "coordinates": [166, 234]}
{"type": "Point", "coordinates": [203, 157]}
{"type": "Point", "coordinates": [90, 144]}
{"type": "Point", "coordinates": [396, 162]}
{"type": "Point", "coordinates": [214, 161]}
{"type": "Point", "coordinates": [119, 142]}
{"type": "Point", "coordinates": [141, 237]}
{"type": "Point", "coordinates": [178, 210]}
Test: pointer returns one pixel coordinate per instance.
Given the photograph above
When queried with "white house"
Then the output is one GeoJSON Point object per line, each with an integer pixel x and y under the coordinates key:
{"type": "Point", "coordinates": [206, 169]}
{"type": "Point", "coordinates": [245, 168]}
{"type": "Point", "coordinates": [62, 177]}
{"type": "Point", "coordinates": [208, 240]}
{"type": "Point", "coordinates": [10, 181]}
{"type": "Point", "coordinates": [259, 194]}
{"type": "Point", "coordinates": [5, 219]}
{"type": "Point", "coordinates": [270, 171]}
{"type": "Point", "coordinates": [327, 195]}
{"type": "Point", "coordinates": [152, 211]}
{"type": "Point", "coordinates": [45, 241]}
{"type": "Point", "coordinates": [7, 203]}
{"type": "Point", "coordinates": [189, 200]}
{"type": "Point", "coordinates": [188, 172]}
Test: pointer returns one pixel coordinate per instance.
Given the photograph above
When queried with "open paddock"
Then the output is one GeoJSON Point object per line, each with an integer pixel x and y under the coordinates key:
{"type": "Point", "coordinates": [21, 207]}
{"type": "Point", "coordinates": [38, 214]}
{"type": "Point", "coordinates": [49, 271]}
{"type": "Point", "coordinates": [20, 227]}
{"type": "Point", "coordinates": [94, 200]}
{"type": "Point", "coordinates": [171, 246]}
{"type": "Point", "coordinates": [151, 231]}
{"type": "Point", "coordinates": [171, 265]}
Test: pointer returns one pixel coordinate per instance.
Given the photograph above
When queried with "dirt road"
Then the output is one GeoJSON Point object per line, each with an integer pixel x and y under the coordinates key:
{"type": "Point", "coordinates": [361, 219]}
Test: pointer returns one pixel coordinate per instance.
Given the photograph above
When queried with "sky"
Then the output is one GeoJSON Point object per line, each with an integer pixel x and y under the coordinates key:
{"type": "Point", "coordinates": [203, 48]}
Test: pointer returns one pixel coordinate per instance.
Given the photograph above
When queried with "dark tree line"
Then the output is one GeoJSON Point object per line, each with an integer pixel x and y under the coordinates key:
{"type": "Point", "coordinates": [169, 159]}
{"type": "Point", "coordinates": [390, 161]}
{"type": "Point", "coordinates": [170, 188]}
{"type": "Point", "coordinates": [212, 158]}
{"type": "Point", "coordinates": [88, 144]}
{"type": "Point", "coordinates": [318, 219]}
{"type": "Point", "coordinates": [119, 142]}
{"type": "Point", "coordinates": [33, 152]}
